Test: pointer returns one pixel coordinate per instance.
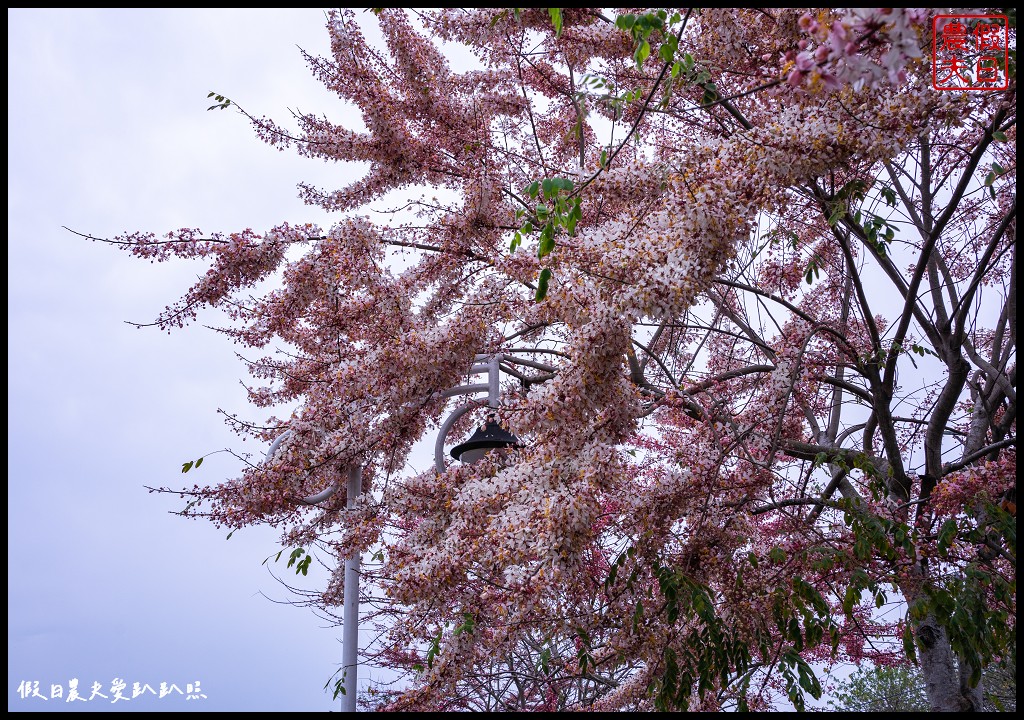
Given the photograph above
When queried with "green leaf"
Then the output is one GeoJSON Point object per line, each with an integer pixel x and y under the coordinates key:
{"type": "Point", "coordinates": [946, 535]}
{"type": "Point", "coordinates": [547, 241]}
{"type": "Point", "coordinates": [604, 158]}
{"type": "Point", "coordinates": [909, 646]}
{"type": "Point", "coordinates": [556, 20]}
{"type": "Point", "coordinates": [185, 467]}
{"type": "Point", "coordinates": [222, 102]}
{"type": "Point", "coordinates": [570, 225]}
{"type": "Point", "coordinates": [339, 684]}
{"type": "Point", "coordinates": [295, 555]}
{"type": "Point", "coordinates": [862, 547]}
{"type": "Point", "coordinates": [837, 215]}
{"type": "Point", "coordinates": [975, 675]}
{"type": "Point", "coordinates": [625, 22]}
{"type": "Point", "coordinates": [612, 573]}
{"type": "Point", "coordinates": [434, 651]}
{"type": "Point", "coordinates": [643, 51]}
{"type": "Point", "coordinates": [999, 136]}
{"type": "Point", "coordinates": [812, 271]}
{"type": "Point", "coordinates": [808, 681]}
{"type": "Point", "coordinates": [199, 462]}
{"type": "Point", "coordinates": [849, 600]}
{"type": "Point", "coordinates": [467, 626]}
{"type": "Point", "coordinates": [542, 284]}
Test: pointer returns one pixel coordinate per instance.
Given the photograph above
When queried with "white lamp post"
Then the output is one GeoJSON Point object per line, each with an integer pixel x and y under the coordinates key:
{"type": "Point", "coordinates": [490, 437]}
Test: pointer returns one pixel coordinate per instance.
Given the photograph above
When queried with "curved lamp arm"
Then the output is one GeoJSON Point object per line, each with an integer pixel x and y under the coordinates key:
{"type": "Point", "coordinates": [489, 364]}
{"type": "Point", "coordinates": [312, 499]}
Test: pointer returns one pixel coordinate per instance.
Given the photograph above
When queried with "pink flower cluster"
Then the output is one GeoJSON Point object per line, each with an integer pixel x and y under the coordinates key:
{"type": "Point", "coordinates": [863, 48]}
{"type": "Point", "coordinates": [977, 483]}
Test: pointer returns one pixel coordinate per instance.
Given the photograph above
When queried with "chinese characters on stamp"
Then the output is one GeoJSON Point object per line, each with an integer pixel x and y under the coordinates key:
{"type": "Point", "coordinates": [970, 52]}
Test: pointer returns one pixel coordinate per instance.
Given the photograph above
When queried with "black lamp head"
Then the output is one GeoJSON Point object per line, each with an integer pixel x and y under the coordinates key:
{"type": "Point", "coordinates": [490, 437]}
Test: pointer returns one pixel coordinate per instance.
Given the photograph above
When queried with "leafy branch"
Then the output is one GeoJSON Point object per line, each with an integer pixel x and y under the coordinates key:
{"type": "Point", "coordinates": [222, 102]}
{"type": "Point", "coordinates": [555, 210]}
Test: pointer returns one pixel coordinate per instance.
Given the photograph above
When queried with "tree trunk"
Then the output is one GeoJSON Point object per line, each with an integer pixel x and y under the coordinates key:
{"type": "Point", "coordinates": [948, 689]}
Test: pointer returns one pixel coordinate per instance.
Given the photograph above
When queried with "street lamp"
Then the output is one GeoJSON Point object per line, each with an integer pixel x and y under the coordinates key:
{"type": "Point", "coordinates": [491, 437]}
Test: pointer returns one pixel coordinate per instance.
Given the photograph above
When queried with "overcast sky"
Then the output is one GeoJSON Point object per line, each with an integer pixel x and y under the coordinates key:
{"type": "Point", "coordinates": [108, 131]}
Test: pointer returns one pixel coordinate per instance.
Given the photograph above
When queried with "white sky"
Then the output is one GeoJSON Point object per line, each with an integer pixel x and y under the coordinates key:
{"type": "Point", "coordinates": [108, 132]}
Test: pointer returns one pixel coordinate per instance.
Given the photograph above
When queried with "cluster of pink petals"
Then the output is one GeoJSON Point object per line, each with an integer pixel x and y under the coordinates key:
{"type": "Point", "coordinates": [865, 47]}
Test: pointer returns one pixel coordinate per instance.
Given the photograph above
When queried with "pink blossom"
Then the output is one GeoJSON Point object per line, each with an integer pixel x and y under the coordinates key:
{"type": "Point", "coordinates": [805, 62]}
{"type": "Point", "coordinates": [808, 23]}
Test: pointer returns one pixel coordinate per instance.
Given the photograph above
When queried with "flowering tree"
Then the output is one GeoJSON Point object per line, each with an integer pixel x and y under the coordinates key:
{"type": "Point", "coordinates": [752, 283]}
